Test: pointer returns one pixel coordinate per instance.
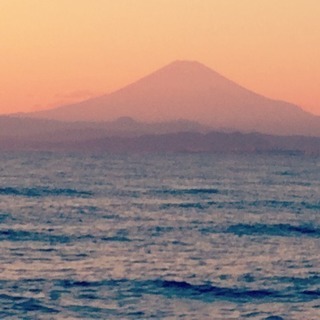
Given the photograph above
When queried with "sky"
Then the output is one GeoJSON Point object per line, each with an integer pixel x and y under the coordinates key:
{"type": "Point", "coordinates": [63, 51]}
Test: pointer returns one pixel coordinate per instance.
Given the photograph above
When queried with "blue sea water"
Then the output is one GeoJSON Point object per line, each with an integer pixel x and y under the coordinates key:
{"type": "Point", "coordinates": [179, 236]}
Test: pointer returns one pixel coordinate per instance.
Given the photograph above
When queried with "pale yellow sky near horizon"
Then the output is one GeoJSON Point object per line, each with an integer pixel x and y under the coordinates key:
{"type": "Point", "coordinates": [56, 52]}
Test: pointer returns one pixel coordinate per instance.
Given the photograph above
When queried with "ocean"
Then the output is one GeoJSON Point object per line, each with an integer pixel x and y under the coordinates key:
{"type": "Point", "coordinates": [159, 236]}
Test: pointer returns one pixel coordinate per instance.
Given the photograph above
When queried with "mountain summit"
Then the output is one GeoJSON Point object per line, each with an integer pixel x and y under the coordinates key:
{"type": "Point", "coordinates": [191, 91]}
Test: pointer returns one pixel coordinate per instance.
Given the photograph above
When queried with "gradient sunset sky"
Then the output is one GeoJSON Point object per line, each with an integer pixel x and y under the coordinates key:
{"type": "Point", "coordinates": [61, 51]}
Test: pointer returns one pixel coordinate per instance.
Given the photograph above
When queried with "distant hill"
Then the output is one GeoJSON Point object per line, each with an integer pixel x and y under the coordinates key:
{"type": "Point", "coordinates": [186, 142]}
{"type": "Point", "coordinates": [191, 91]}
{"type": "Point", "coordinates": [58, 131]}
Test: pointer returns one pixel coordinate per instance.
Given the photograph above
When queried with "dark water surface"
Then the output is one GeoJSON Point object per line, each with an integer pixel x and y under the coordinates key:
{"type": "Point", "coordinates": [159, 236]}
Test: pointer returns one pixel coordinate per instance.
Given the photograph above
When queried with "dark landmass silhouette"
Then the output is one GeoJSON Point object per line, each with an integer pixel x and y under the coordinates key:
{"type": "Point", "coordinates": [181, 142]}
{"type": "Point", "coordinates": [191, 91]}
{"type": "Point", "coordinates": [55, 131]}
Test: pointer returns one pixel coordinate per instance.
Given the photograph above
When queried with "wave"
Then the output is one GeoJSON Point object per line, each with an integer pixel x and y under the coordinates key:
{"type": "Point", "coordinates": [177, 288]}
{"type": "Point", "coordinates": [240, 205]}
{"type": "Point", "coordinates": [187, 191]}
{"type": "Point", "coordinates": [286, 173]}
{"type": "Point", "coordinates": [295, 206]}
{"type": "Point", "coordinates": [187, 205]}
{"type": "Point", "coordinates": [4, 217]}
{"type": "Point", "coordinates": [282, 204]}
{"type": "Point", "coordinates": [23, 304]}
{"type": "Point", "coordinates": [84, 290]}
{"type": "Point", "coordinates": [116, 239]}
{"type": "Point", "coordinates": [284, 230]}
{"type": "Point", "coordinates": [17, 235]}
{"type": "Point", "coordinates": [32, 304]}
{"type": "Point", "coordinates": [43, 192]}
{"type": "Point", "coordinates": [184, 289]}
{"type": "Point", "coordinates": [191, 290]}
{"type": "Point", "coordinates": [311, 206]}
{"type": "Point", "coordinates": [23, 235]}
{"type": "Point", "coordinates": [315, 293]}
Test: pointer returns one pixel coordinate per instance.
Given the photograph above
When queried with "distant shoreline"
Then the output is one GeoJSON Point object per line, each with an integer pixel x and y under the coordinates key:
{"type": "Point", "coordinates": [181, 142]}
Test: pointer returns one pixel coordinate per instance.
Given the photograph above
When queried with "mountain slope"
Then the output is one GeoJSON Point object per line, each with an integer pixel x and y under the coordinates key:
{"type": "Point", "coordinates": [191, 91]}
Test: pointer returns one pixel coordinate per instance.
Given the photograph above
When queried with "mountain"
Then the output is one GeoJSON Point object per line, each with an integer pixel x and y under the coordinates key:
{"type": "Point", "coordinates": [191, 91]}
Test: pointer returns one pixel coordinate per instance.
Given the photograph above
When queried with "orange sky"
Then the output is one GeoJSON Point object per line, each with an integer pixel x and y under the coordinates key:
{"type": "Point", "coordinates": [54, 52]}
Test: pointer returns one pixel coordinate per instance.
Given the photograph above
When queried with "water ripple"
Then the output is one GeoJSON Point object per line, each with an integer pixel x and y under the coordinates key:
{"type": "Point", "coordinates": [43, 192]}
